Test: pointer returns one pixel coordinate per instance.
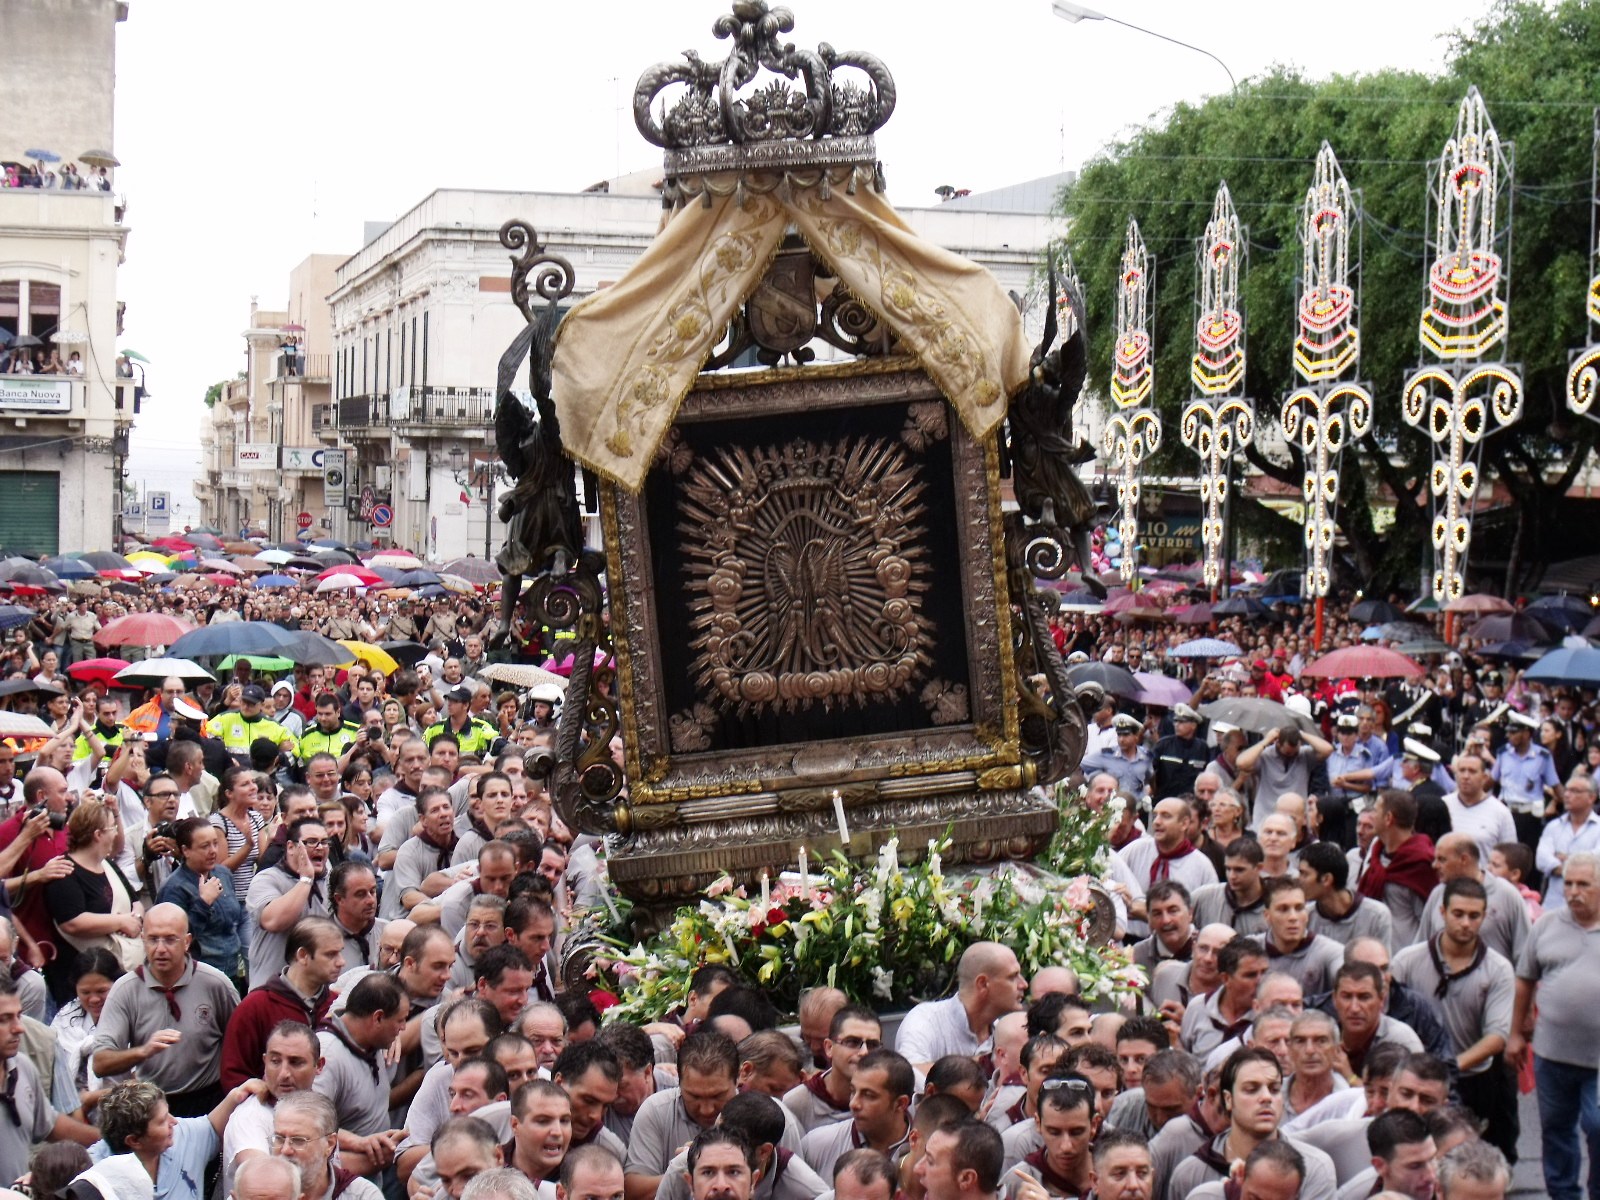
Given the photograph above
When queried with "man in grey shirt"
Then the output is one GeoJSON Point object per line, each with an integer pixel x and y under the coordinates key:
{"type": "Point", "coordinates": [356, 1073]}
{"type": "Point", "coordinates": [1292, 948]}
{"type": "Point", "coordinates": [1505, 927]}
{"type": "Point", "coordinates": [34, 1120]}
{"type": "Point", "coordinates": [422, 868]}
{"type": "Point", "coordinates": [165, 1019]}
{"type": "Point", "coordinates": [1561, 964]}
{"type": "Point", "coordinates": [1337, 912]}
{"type": "Point", "coordinates": [293, 888]}
{"type": "Point", "coordinates": [1282, 762]}
{"type": "Point", "coordinates": [708, 1073]}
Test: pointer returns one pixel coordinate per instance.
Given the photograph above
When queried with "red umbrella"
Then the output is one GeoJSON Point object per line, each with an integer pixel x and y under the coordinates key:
{"type": "Point", "coordinates": [126, 573]}
{"type": "Point", "coordinates": [1480, 604]}
{"type": "Point", "coordinates": [222, 580]}
{"type": "Point", "coordinates": [143, 629]}
{"type": "Point", "coordinates": [173, 542]}
{"type": "Point", "coordinates": [1363, 662]}
{"type": "Point", "coordinates": [96, 670]}
{"type": "Point", "coordinates": [368, 578]}
{"type": "Point", "coordinates": [1134, 606]}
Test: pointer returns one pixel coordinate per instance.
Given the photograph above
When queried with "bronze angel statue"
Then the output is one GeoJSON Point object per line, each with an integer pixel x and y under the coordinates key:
{"type": "Point", "coordinates": [543, 528]}
{"type": "Point", "coordinates": [1044, 454]}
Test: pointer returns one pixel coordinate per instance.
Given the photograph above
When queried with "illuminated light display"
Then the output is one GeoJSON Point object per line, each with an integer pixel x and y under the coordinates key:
{"type": "Point", "coordinates": [1583, 374]}
{"type": "Point", "coordinates": [1218, 422]}
{"type": "Point", "coordinates": [1463, 398]}
{"type": "Point", "coordinates": [1329, 408]}
{"type": "Point", "coordinates": [1133, 432]}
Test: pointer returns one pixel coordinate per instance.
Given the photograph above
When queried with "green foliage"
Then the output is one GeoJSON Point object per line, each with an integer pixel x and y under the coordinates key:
{"type": "Point", "coordinates": [1535, 69]}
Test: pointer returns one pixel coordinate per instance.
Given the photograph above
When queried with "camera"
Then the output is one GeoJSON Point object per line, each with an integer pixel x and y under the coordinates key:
{"type": "Point", "coordinates": [539, 762]}
{"type": "Point", "coordinates": [164, 830]}
{"type": "Point", "coordinates": [58, 821]}
{"type": "Point", "coordinates": [375, 733]}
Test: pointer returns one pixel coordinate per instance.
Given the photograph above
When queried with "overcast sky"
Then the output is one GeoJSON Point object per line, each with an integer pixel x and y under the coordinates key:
{"type": "Point", "coordinates": [251, 137]}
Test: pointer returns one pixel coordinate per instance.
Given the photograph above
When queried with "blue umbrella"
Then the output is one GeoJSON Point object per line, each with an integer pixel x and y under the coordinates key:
{"type": "Point", "coordinates": [1372, 633]}
{"type": "Point", "coordinates": [1573, 662]}
{"type": "Point", "coordinates": [233, 637]}
{"type": "Point", "coordinates": [413, 579]}
{"type": "Point", "coordinates": [1563, 614]}
{"type": "Point", "coordinates": [275, 581]}
{"type": "Point", "coordinates": [12, 615]}
{"type": "Point", "coordinates": [1205, 648]}
{"type": "Point", "coordinates": [42, 155]}
{"type": "Point", "coordinates": [69, 568]}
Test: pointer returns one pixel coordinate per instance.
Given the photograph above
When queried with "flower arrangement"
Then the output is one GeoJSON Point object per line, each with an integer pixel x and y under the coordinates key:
{"type": "Point", "coordinates": [888, 934]}
{"type": "Point", "coordinates": [1082, 841]}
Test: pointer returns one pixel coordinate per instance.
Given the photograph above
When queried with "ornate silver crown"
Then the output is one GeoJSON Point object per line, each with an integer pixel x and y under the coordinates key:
{"type": "Point", "coordinates": [721, 123]}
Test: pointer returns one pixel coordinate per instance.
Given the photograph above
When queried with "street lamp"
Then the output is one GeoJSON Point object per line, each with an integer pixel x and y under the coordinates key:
{"type": "Point", "coordinates": [1073, 13]}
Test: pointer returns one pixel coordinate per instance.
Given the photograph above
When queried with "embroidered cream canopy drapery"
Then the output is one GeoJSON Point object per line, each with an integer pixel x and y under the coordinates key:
{"type": "Point", "coordinates": [626, 356]}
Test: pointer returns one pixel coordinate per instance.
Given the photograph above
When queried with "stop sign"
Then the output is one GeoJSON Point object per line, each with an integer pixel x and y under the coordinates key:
{"type": "Point", "coordinates": [303, 520]}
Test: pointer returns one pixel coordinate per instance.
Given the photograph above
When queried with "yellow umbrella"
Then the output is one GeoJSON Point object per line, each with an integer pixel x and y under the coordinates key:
{"type": "Point", "coordinates": [454, 583]}
{"type": "Point", "coordinates": [148, 556]}
{"type": "Point", "coordinates": [376, 658]}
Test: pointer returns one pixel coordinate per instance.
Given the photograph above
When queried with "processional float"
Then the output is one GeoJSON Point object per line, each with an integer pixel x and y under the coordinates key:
{"type": "Point", "coordinates": [1219, 420]}
{"type": "Point", "coordinates": [811, 626]}
{"type": "Point", "coordinates": [1133, 431]}
{"type": "Point", "coordinates": [1467, 391]}
{"type": "Point", "coordinates": [1328, 408]}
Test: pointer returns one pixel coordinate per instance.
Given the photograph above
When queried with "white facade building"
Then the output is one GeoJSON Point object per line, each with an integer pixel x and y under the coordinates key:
{"type": "Point", "coordinates": [422, 314]}
{"type": "Point", "coordinates": [64, 420]}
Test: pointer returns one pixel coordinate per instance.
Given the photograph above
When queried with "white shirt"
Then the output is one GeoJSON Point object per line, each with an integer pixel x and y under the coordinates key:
{"type": "Point", "coordinates": [1488, 822]}
{"type": "Point", "coordinates": [249, 1128]}
{"type": "Point", "coordinates": [1559, 837]}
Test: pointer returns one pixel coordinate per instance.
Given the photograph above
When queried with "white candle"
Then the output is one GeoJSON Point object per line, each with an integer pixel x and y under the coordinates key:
{"type": "Point", "coordinates": [766, 893]}
{"type": "Point", "coordinates": [838, 814]}
{"type": "Point", "coordinates": [805, 878]}
{"type": "Point", "coordinates": [605, 894]}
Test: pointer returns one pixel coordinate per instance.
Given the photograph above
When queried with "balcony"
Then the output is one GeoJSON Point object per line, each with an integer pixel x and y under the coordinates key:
{"type": "Point", "coordinates": [364, 412]}
{"type": "Point", "coordinates": [304, 368]}
{"type": "Point", "coordinates": [444, 407]}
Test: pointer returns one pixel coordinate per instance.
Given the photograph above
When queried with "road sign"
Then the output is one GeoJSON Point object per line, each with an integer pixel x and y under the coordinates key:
{"type": "Point", "coordinates": [303, 521]}
{"type": "Point", "coordinates": [158, 501]}
{"type": "Point", "coordinates": [382, 516]}
{"type": "Point", "coordinates": [305, 535]}
{"type": "Point", "coordinates": [133, 508]}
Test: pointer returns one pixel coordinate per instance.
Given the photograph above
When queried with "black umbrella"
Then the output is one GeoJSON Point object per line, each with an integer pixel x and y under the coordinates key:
{"type": "Point", "coordinates": [1511, 627]}
{"type": "Point", "coordinates": [334, 558]}
{"type": "Point", "coordinates": [1118, 681]}
{"type": "Point", "coordinates": [407, 654]}
{"type": "Point", "coordinates": [1241, 606]}
{"type": "Point", "coordinates": [1563, 614]}
{"type": "Point", "coordinates": [25, 341]}
{"type": "Point", "coordinates": [315, 650]}
{"type": "Point", "coordinates": [28, 574]}
{"type": "Point", "coordinates": [1376, 612]}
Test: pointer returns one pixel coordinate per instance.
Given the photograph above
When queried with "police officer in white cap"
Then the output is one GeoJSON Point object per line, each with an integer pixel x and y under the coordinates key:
{"type": "Point", "coordinates": [1527, 777]}
{"type": "Point", "coordinates": [1180, 756]}
{"type": "Point", "coordinates": [1130, 763]}
{"type": "Point", "coordinates": [1418, 762]}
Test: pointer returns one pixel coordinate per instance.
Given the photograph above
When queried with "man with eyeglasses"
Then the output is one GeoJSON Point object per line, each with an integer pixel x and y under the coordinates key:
{"type": "Point", "coordinates": [290, 890]}
{"type": "Point", "coordinates": [166, 1019]}
{"type": "Point", "coordinates": [158, 857]}
{"type": "Point", "coordinates": [305, 1130]}
{"type": "Point", "coordinates": [825, 1097]}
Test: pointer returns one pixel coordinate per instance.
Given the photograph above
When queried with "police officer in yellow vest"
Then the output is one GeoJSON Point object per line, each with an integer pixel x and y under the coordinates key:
{"type": "Point", "coordinates": [330, 734]}
{"type": "Point", "coordinates": [238, 729]}
{"type": "Point", "coordinates": [107, 729]}
{"type": "Point", "coordinates": [475, 736]}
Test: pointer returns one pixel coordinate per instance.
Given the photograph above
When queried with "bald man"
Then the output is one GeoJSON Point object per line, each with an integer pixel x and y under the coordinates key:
{"type": "Point", "coordinates": [166, 1020]}
{"type": "Point", "coordinates": [989, 984]}
{"type": "Point", "coordinates": [1505, 923]}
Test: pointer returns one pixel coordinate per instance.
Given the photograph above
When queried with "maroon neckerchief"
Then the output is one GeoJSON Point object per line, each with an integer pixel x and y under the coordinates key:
{"type": "Point", "coordinates": [370, 1057]}
{"type": "Point", "coordinates": [171, 996]}
{"type": "Point", "coordinates": [1197, 1119]}
{"type": "Point", "coordinates": [815, 1085]}
{"type": "Point", "coordinates": [1231, 1029]}
{"type": "Point", "coordinates": [1162, 867]}
{"type": "Point", "coordinates": [1446, 977]}
{"type": "Point", "coordinates": [1018, 1112]}
{"type": "Point", "coordinates": [1052, 1181]}
{"type": "Point", "coordinates": [1301, 948]}
{"type": "Point", "coordinates": [1214, 1158]}
{"type": "Point", "coordinates": [341, 1180]}
{"type": "Point", "coordinates": [1184, 953]}
{"type": "Point", "coordinates": [444, 851]}
{"type": "Point", "coordinates": [1259, 902]}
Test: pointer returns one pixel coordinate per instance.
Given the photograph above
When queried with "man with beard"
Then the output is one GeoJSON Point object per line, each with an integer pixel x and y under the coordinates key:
{"type": "Point", "coordinates": [305, 1130]}
{"type": "Point", "coordinates": [353, 889]}
{"type": "Point", "coordinates": [300, 992]}
{"type": "Point", "coordinates": [287, 892]}
{"type": "Point", "coordinates": [636, 1053]}
{"type": "Point", "coordinates": [166, 1018]}
{"type": "Point", "coordinates": [290, 1065]}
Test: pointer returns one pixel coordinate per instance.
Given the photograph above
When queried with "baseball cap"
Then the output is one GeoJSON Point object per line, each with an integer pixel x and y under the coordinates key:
{"type": "Point", "coordinates": [253, 693]}
{"type": "Point", "coordinates": [460, 694]}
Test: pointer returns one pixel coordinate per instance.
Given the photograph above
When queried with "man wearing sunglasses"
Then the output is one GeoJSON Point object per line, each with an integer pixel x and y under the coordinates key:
{"type": "Point", "coordinates": [293, 888]}
{"type": "Point", "coordinates": [825, 1096]}
{"type": "Point", "coordinates": [165, 1019]}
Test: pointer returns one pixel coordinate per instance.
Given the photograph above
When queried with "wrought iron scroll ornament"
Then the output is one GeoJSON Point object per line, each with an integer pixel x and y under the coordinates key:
{"type": "Point", "coordinates": [1045, 455]}
{"type": "Point", "coordinates": [1329, 408]}
{"type": "Point", "coordinates": [1459, 400]}
{"type": "Point", "coordinates": [817, 134]}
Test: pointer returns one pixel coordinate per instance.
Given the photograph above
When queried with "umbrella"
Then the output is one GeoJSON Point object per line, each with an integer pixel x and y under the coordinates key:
{"type": "Point", "coordinates": [16, 687]}
{"type": "Point", "coordinates": [1428, 645]}
{"type": "Point", "coordinates": [292, 328]}
{"type": "Point", "coordinates": [1375, 612]}
{"type": "Point", "coordinates": [1254, 714]}
{"type": "Point", "coordinates": [1241, 606]}
{"type": "Point", "coordinates": [152, 671]}
{"type": "Point", "coordinates": [395, 558]}
{"type": "Point", "coordinates": [220, 580]}
{"type": "Point", "coordinates": [234, 637]}
{"type": "Point", "coordinates": [42, 155]}
{"type": "Point", "coordinates": [481, 571]}
{"type": "Point", "coordinates": [365, 577]}
{"type": "Point", "coordinates": [135, 355]}
{"type": "Point", "coordinates": [1510, 627]}
{"type": "Point", "coordinates": [373, 656]}
{"type": "Point", "coordinates": [221, 566]}
{"type": "Point", "coordinates": [23, 725]}
{"type": "Point", "coordinates": [1134, 606]}
{"type": "Point", "coordinates": [259, 661]}
{"type": "Point", "coordinates": [1205, 648]}
{"type": "Point", "coordinates": [1404, 631]}
{"type": "Point", "coordinates": [1119, 681]}
{"type": "Point", "coordinates": [1424, 604]}
{"type": "Point", "coordinates": [1363, 662]}
{"type": "Point", "coordinates": [1479, 604]}
{"type": "Point", "coordinates": [412, 579]}
{"type": "Point", "coordinates": [68, 568]}
{"type": "Point", "coordinates": [96, 670]}
{"type": "Point", "coordinates": [1195, 614]}
{"type": "Point", "coordinates": [25, 341]}
{"type": "Point", "coordinates": [99, 158]}
{"type": "Point", "coordinates": [84, 587]}
{"type": "Point", "coordinates": [408, 654]}
{"type": "Point", "coordinates": [247, 548]}
{"type": "Point", "coordinates": [251, 565]}
{"type": "Point", "coordinates": [1563, 614]}
{"type": "Point", "coordinates": [331, 543]}
{"type": "Point", "coordinates": [143, 629]}
{"type": "Point", "coordinates": [12, 615]}
{"type": "Point", "coordinates": [455, 583]}
{"type": "Point", "coordinates": [333, 558]}
{"type": "Point", "coordinates": [343, 581]}
{"type": "Point", "coordinates": [1573, 662]}
{"type": "Point", "coordinates": [105, 560]}
{"type": "Point", "coordinates": [20, 570]}
{"type": "Point", "coordinates": [1511, 651]}
{"type": "Point", "coordinates": [1161, 690]}
{"type": "Point", "coordinates": [521, 674]}
{"type": "Point", "coordinates": [316, 650]}
{"type": "Point", "coordinates": [274, 581]}
{"type": "Point", "coordinates": [276, 557]}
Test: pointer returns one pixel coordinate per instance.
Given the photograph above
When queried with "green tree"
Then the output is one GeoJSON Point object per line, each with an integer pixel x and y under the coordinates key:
{"type": "Point", "coordinates": [1531, 66]}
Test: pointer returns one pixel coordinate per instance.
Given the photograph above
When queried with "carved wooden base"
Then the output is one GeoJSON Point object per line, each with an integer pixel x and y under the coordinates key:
{"type": "Point", "coordinates": [663, 868]}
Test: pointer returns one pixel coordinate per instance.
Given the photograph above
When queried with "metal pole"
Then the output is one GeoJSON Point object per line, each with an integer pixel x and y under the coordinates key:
{"type": "Point", "coordinates": [1227, 533]}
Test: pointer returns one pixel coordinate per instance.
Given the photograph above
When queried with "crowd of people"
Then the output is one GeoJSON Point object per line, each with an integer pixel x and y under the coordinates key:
{"type": "Point", "coordinates": [300, 937]}
{"type": "Point", "coordinates": [68, 178]}
{"type": "Point", "coordinates": [18, 361]}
